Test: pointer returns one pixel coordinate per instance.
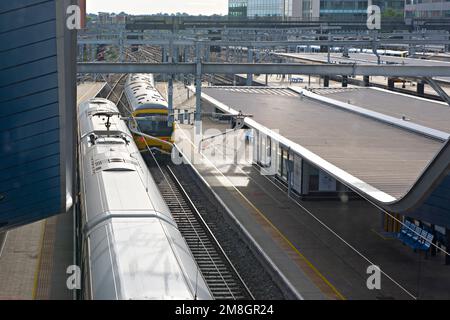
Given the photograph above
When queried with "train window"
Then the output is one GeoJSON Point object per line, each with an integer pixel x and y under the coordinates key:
{"type": "Point", "coordinates": [110, 141]}
{"type": "Point", "coordinates": [155, 125]}
{"type": "Point", "coordinates": [285, 157]}
{"type": "Point", "coordinates": [114, 164]}
{"type": "Point", "coordinates": [118, 169]}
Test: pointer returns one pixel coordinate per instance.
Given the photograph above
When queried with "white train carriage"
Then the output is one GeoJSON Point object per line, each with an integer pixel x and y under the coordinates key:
{"type": "Point", "coordinates": [131, 247]}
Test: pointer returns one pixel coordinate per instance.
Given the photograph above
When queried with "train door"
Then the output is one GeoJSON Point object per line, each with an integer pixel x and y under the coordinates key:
{"type": "Point", "coordinates": [284, 165]}
{"type": "Point", "coordinates": [265, 150]}
{"type": "Point", "coordinates": [326, 182]}
{"type": "Point", "coordinates": [297, 174]}
{"type": "Point", "coordinates": [261, 148]}
{"type": "Point", "coordinates": [256, 146]}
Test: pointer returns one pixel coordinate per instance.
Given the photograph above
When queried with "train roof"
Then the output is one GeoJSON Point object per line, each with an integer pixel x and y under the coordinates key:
{"type": "Point", "coordinates": [141, 93]}
{"type": "Point", "coordinates": [135, 248]}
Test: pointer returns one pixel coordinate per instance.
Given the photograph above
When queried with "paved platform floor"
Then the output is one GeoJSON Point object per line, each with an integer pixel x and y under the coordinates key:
{"type": "Point", "coordinates": [323, 247]}
{"type": "Point", "coordinates": [88, 90]}
{"type": "Point", "coordinates": [18, 262]}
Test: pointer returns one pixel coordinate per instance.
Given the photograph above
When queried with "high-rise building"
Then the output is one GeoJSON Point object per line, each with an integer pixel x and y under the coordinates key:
{"type": "Point", "coordinates": [313, 9]}
{"type": "Point", "coordinates": [237, 8]}
{"type": "Point", "coordinates": [343, 9]}
{"type": "Point", "coordinates": [391, 8]}
{"type": "Point", "coordinates": [427, 9]}
{"type": "Point", "coordinates": [265, 8]}
{"type": "Point", "coordinates": [354, 9]}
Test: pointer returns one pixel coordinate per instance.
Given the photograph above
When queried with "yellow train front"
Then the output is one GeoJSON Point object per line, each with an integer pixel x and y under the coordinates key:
{"type": "Point", "coordinates": [150, 112]}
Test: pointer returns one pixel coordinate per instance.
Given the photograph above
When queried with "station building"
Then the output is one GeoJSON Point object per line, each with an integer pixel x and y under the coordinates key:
{"type": "Point", "coordinates": [427, 9]}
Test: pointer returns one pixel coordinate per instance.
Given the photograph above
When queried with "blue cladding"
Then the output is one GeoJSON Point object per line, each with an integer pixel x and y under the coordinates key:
{"type": "Point", "coordinates": [19, 56]}
{"type": "Point", "coordinates": [25, 189]}
{"type": "Point", "coordinates": [32, 177]}
{"type": "Point", "coordinates": [31, 86]}
{"type": "Point", "coordinates": [28, 102]}
{"type": "Point", "coordinates": [40, 210]}
{"type": "Point", "coordinates": [35, 153]}
{"type": "Point", "coordinates": [7, 137]}
{"type": "Point", "coordinates": [13, 75]}
{"type": "Point", "coordinates": [51, 136]}
{"type": "Point", "coordinates": [29, 201]}
{"type": "Point", "coordinates": [436, 208]}
{"type": "Point", "coordinates": [31, 116]}
{"type": "Point", "coordinates": [7, 6]}
{"type": "Point", "coordinates": [27, 16]}
{"type": "Point", "coordinates": [27, 35]}
{"type": "Point", "coordinates": [27, 169]}
{"type": "Point", "coordinates": [30, 161]}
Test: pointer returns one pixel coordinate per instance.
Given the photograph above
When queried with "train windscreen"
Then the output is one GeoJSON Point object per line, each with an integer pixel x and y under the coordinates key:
{"type": "Point", "coordinates": [155, 125]}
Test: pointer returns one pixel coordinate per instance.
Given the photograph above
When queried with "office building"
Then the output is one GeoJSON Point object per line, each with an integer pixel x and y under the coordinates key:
{"type": "Point", "coordinates": [427, 9]}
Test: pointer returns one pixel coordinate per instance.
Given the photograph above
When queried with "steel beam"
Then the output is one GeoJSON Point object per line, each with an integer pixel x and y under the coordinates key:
{"type": "Point", "coordinates": [438, 89]}
{"type": "Point", "coordinates": [267, 68]}
{"type": "Point", "coordinates": [267, 44]}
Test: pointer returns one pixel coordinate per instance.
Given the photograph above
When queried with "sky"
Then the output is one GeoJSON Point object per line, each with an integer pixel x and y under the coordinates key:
{"type": "Point", "coordinates": [195, 7]}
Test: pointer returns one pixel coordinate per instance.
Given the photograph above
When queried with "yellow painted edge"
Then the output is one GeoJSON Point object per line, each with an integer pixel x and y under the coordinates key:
{"type": "Point", "coordinates": [318, 273]}
{"type": "Point", "coordinates": [150, 111]}
{"type": "Point", "coordinates": [38, 266]}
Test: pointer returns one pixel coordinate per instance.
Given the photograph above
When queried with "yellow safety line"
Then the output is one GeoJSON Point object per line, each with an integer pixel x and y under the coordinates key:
{"type": "Point", "coordinates": [321, 276]}
{"type": "Point", "coordinates": [38, 266]}
{"type": "Point", "coordinates": [316, 271]}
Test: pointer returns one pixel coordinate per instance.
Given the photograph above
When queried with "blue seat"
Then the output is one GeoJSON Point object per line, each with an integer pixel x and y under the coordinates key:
{"type": "Point", "coordinates": [406, 232]}
{"type": "Point", "coordinates": [405, 228]}
{"type": "Point", "coordinates": [415, 237]}
{"type": "Point", "coordinates": [426, 244]}
{"type": "Point", "coordinates": [419, 239]}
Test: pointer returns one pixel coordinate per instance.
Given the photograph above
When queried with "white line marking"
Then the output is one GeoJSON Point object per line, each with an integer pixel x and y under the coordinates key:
{"type": "Point", "coordinates": [4, 244]}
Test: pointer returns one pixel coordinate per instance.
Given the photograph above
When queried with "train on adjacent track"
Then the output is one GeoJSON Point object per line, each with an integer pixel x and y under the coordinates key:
{"type": "Point", "coordinates": [130, 245]}
{"type": "Point", "coordinates": [151, 112]}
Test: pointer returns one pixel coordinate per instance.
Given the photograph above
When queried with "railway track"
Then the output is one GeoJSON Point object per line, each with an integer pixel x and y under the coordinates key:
{"type": "Point", "coordinates": [220, 275]}
{"type": "Point", "coordinates": [116, 90]}
{"type": "Point", "coordinates": [116, 94]}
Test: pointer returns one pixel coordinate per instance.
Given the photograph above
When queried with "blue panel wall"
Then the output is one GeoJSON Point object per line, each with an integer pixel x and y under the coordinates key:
{"type": "Point", "coordinates": [436, 208]}
{"type": "Point", "coordinates": [30, 151]}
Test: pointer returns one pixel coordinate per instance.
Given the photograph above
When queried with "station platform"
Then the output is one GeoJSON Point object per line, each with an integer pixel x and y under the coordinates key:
{"type": "Point", "coordinates": [88, 90]}
{"type": "Point", "coordinates": [34, 258]}
{"type": "Point", "coordinates": [324, 247]}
